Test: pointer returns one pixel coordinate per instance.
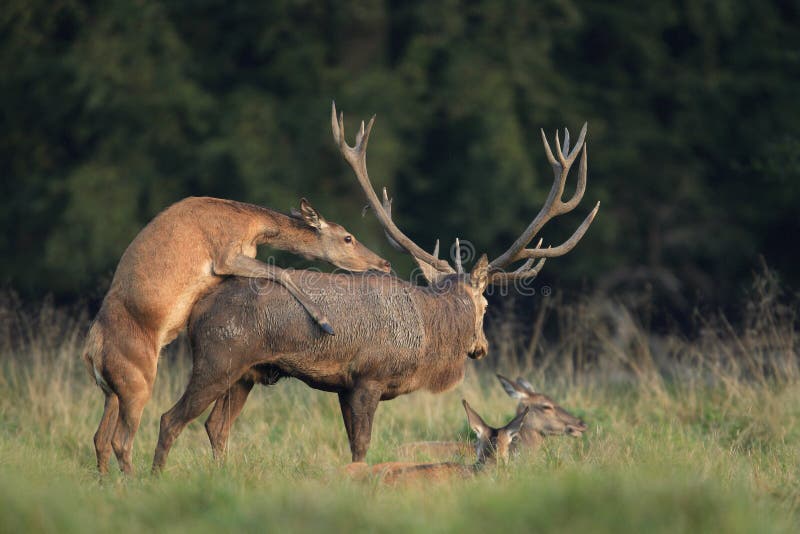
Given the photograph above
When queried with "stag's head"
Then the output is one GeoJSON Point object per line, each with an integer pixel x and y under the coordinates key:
{"type": "Point", "coordinates": [493, 444]}
{"type": "Point", "coordinates": [334, 244]}
{"type": "Point", "coordinates": [544, 415]}
{"type": "Point", "coordinates": [500, 270]}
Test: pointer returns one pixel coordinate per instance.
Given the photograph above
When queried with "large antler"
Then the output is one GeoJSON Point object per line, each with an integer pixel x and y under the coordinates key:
{"type": "Point", "coordinates": [356, 156]}
{"type": "Point", "coordinates": [553, 207]}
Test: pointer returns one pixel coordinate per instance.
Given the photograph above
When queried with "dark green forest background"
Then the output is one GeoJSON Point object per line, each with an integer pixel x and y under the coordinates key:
{"type": "Point", "coordinates": [113, 110]}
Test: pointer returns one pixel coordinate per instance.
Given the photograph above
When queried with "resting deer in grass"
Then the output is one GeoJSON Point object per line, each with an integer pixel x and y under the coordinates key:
{"type": "Point", "coordinates": [544, 418]}
{"type": "Point", "coordinates": [180, 255]}
{"type": "Point", "coordinates": [395, 337]}
{"type": "Point", "coordinates": [492, 445]}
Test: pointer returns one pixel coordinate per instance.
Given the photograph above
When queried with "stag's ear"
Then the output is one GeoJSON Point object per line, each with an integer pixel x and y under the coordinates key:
{"type": "Point", "coordinates": [476, 423]}
{"type": "Point", "coordinates": [479, 276]}
{"type": "Point", "coordinates": [308, 214]}
{"type": "Point", "coordinates": [513, 428]}
{"type": "Point", "coordinates": [514, 391]}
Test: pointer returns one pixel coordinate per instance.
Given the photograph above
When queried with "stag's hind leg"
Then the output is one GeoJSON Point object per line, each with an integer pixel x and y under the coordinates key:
{"type": "Point", "coordinates": [207, 384]}
{"type": "Point", "coordinates": [225, 411]}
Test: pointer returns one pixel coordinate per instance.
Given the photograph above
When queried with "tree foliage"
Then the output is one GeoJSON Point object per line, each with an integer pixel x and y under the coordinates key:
{"type": "Point", "coordinates": [114, 110]}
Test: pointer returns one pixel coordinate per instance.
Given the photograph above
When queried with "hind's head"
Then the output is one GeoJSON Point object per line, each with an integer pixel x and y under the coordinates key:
{"type": "Point", "coordinates": [544, 415]}
{"type": "Point", "coordinates": [335, 244]}
{"type": "Point", "coordinates": [493, 444]}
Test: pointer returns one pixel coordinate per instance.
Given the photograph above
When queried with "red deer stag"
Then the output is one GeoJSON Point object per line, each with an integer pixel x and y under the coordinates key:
{"type": "Point", "coordinates": [181, 254]}
{"type": "Point", "coordinates": [396, 337]}
{"type": "Point", "coordinates": [491, 445]}
{"type": "Point", "coordinates": [545, 418]}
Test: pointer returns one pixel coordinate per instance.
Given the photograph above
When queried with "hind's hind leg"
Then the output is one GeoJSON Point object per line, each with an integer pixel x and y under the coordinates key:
{"type": "Point", "coordinates": [131, 406]}
{"type": "Point", "coordinates": [102, 438]}
{"type": "Point", "coordinates": [129, 367]}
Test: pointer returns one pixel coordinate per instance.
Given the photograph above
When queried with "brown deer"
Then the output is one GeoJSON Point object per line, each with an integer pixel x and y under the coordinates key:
{"type": "Point", "coordinates": [396, 337]}
{"type": "Point", "coordinates": [491, 445]}
{"type": "Point", "coordinates": [544, 418]}
{"type": "Point", "coordinates": [181, 254]}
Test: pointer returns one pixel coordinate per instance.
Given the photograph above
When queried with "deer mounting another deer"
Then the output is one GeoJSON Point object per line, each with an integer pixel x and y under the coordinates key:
{"type": "Point", "coordinates": [492, 445]}
{"type": "Point", "coordinates": [395, 337]}
{"type": "Point", "coordinates": [180, 255]}
{"type": "Point", "coordinates": [545, 418]}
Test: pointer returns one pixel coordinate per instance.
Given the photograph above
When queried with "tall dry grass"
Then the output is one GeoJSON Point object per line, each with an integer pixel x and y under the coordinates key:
{"type": "Point", "coordinates": [714, 416]}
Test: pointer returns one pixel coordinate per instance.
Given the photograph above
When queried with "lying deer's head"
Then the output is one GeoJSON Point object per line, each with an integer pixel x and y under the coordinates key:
{"type": "Point", "coordinates": [493, 444]}
{"type": "Point", "coordinates": [439, 272]}
{"type": "Point", "coordinates": [544, 416]}
{"type": "Point", "coordinates": [334, 244]}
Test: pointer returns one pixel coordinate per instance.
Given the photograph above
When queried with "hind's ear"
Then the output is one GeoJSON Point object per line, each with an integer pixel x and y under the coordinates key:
{"type": "Point", "coordinates": [525, 385]}
{"type": "Point", "coordinates": [476, 423]}
{"type": "Point", "coordinates": [308, 214]}
{"type": "Point", "coordinates": [513, 428]}
{"type": "Point", "coordinates": [514, 391]}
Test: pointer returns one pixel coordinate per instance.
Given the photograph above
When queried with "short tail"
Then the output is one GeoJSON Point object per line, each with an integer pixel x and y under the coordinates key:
{"type": "Point", "coordinates": [93, 353]}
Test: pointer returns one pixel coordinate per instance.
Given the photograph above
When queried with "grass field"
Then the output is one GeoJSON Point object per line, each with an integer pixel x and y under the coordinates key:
{"type": "Point", "coordinates": [684, 436]}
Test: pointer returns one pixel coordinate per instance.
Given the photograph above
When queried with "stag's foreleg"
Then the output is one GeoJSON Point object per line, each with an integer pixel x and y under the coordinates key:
{"type": "Point", "coordinates": [358, 409]}
{"type": "Point", "coordinates": [240, 265]}
{"type": "Point", "coordinates": [225, 411]}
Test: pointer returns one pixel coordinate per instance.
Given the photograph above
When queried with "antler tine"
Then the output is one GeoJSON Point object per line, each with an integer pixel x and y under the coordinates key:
{"type": "Point", "coordinates": [547, 150]}
{"type": "Point", "coordinates": [566, 246]}
{"type": "Point", "coordinates": [561, 162]}
{"type": "Point", "coordinates": [579, 142]}
{"type": "Point", "coordinates": [387, 206]}
{"type": "Point", "coordinates": [580, 188]}
{"type": "Point", "coordinates": [356, 156]}
{"type": "Point", "coordinates": [529, 270]}
{"type": "Point", "coordinates": [457, 258]}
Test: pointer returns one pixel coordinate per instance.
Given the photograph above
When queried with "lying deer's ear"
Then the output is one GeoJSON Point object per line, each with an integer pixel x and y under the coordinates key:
{"type": "Point", "coordinates": [476, 423]}
{"type": "Point", "coordinates": [309, 215]}
{"type": "Point", "coordinates": [524, 384]}
{"type": "Point", "coordinates": [479, 276]}
{"type": "Point", "coordinates": [513, 428]}
{"type": "Point", "coordinates": [511, 388]}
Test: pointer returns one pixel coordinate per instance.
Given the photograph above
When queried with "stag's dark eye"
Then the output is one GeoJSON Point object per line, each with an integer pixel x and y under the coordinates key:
{"type": "Point", "coordinates": [348, 239]}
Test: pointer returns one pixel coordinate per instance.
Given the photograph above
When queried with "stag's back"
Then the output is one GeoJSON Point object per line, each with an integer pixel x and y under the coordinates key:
{"type": "Point", "coordinates": [385, 328]}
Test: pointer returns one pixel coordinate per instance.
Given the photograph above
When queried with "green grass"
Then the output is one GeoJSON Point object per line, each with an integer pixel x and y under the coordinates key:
{"type": "Point", "coordinates": [690, 443]}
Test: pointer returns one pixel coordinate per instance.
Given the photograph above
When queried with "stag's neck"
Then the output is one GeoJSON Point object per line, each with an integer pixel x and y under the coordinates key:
{"type": "Point", "coordinates": [449, 319]}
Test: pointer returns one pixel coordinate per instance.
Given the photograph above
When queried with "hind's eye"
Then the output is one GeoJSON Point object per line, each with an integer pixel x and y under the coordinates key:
{"type": "Point", "coordinates": [348, 239]}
